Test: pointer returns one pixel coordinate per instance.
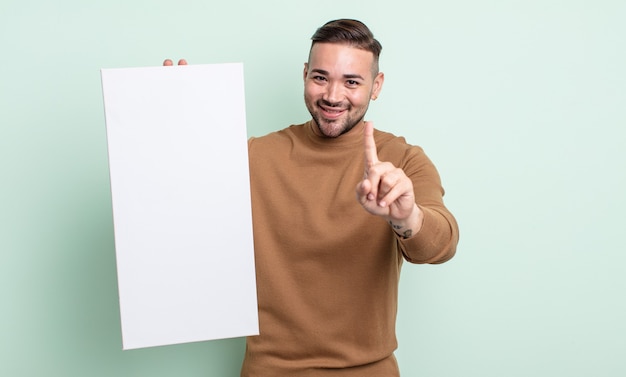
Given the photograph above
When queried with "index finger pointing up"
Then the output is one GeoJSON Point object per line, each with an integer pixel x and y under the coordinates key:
{"type": "Point", "coordinates": [371, 156]}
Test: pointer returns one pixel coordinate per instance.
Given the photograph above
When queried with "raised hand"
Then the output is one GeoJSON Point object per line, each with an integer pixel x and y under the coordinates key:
{"type": "Point", "coordinates": [386, 190]}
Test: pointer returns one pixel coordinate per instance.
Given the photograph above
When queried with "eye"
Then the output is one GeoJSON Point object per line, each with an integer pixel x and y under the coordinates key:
{"type": "Point", "coordinates": [352, 83]}
{"type": "Point", "coordinates": [319, 78]}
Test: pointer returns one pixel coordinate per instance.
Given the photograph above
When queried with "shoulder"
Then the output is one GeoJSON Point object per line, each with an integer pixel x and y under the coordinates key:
{"type": "Point", "coordinates": [396, 148]}
{"type": "Point", "coordinates": [411, 159]}
{"type": "Point", "coordinates": [285, 136]}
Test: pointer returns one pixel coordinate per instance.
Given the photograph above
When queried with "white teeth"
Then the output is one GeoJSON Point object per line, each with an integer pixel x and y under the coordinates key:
{"type": "Point", "coordinates": [332, 110]}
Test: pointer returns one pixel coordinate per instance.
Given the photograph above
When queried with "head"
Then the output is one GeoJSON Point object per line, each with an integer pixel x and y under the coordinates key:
{"type": "Point", "coordinates": [341, 75]}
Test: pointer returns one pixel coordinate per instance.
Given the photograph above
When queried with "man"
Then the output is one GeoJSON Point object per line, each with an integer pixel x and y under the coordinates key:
{"type": "Point", "coordinates": [328, 264]}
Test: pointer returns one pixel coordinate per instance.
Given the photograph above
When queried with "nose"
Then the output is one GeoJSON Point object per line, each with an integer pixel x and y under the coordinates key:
{"type": "Point", "coordinates": [332, 94]}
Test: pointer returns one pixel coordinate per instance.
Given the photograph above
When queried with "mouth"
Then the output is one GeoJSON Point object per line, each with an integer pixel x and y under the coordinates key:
{"type": "Point", "coordinates": [331, 113]}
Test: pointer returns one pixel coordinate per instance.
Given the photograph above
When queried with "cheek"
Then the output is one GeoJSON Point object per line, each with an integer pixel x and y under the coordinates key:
{"type": "Point", "coordinates": [360, 99]}
{"type": "Point", "coordinates": [311, 91]}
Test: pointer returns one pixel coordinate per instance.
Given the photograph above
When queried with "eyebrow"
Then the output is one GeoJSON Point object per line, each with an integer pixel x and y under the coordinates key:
{"type": "Point", "coordinates": [346, 76]}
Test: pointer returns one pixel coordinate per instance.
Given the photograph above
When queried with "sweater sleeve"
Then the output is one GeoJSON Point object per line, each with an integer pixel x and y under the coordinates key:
{"type": "Point", "coordinates": [437, 239]}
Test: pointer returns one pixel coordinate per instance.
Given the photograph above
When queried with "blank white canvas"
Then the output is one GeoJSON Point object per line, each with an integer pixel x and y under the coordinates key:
{"type": "Point", "coordinates": [180, 187]}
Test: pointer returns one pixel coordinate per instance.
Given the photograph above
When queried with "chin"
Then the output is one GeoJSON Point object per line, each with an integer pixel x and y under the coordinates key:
{"type": "Point", "coordinates": [330, 130]}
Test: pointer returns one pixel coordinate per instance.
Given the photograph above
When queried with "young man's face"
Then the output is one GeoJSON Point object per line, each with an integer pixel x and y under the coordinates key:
{"type": "Point", "coordinates": [339, 82]}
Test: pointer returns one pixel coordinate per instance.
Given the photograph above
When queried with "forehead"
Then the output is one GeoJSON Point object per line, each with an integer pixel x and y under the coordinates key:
{"type": "Point", "coordinates": [340, 59]}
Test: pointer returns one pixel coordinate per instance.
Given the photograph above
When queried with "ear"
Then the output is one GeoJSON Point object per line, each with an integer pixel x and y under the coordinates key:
{"type": "Point", "coordinates": [306, 71]}
{"type": "Point", "coordinates": [378, 85]}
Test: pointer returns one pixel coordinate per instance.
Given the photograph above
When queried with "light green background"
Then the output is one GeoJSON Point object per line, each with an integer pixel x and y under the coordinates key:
{"type": "Point", "coordinates": [521, 105]}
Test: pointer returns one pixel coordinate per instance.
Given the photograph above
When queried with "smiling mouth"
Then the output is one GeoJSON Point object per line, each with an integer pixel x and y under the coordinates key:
{"type": "Point", "coordinates": [332, 112]}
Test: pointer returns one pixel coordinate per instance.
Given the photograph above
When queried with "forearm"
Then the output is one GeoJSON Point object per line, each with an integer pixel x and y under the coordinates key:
{"type": "Point", "coordinates": [410, 226]}
{"type": "Point", "coordinates": [436, 240]}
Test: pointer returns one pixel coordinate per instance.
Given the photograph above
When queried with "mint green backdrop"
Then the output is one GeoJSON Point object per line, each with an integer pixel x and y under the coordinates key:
{"type": "Point", "coordinates": [521, 105]}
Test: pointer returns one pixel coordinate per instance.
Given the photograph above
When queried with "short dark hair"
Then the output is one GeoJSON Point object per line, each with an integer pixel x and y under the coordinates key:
{"type": "Point", "coordinates": [351, 32]}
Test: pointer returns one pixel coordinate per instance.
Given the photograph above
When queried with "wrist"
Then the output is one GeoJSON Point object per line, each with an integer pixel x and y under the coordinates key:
{"type": "Point", "coordinates": [408, 227]}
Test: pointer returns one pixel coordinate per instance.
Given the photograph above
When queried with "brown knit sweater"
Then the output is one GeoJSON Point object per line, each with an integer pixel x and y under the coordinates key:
{"type": "Point", "coordinates": [328, 271]}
